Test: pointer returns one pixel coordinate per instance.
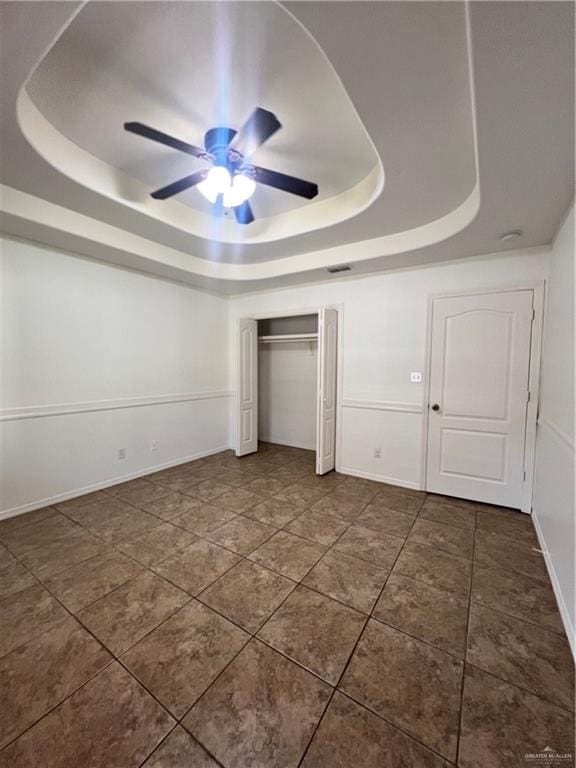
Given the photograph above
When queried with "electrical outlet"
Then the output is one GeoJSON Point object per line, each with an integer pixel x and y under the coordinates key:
{"type": "Point", "coordinates": [416, 377]}
{"type": "Point", "coordinates": [153, 445]}
{"type": "Point", "coordinates": [121, 454]}
{"type": "Point", "coordinates": [377, 453]}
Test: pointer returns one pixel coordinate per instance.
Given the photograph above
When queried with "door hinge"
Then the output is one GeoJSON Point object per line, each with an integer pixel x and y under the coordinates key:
{"type": "Point", "coordinates": [528, 397]}
{"type": "Point", "coordinates": [524, 475]}
{"type": "Point", "coordinates": [533, 314]}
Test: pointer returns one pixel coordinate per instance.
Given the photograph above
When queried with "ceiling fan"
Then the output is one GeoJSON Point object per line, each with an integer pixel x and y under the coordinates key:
{"type": "Point", "coordinates": [230, 180]}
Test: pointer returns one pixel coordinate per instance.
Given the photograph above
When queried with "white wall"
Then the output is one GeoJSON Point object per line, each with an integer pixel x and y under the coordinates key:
{"type": "Point", "coordinates": [382, 340]}
{"type": "Point", "coordinates": [95, 358]}
{"type": "Point", "coordinates": [554, 509]}
{"type": "Point", "coordinates": [287, 393]}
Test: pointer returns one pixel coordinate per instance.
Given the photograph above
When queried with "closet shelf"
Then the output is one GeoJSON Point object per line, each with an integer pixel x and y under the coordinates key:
{"type": "Point", "coordinates": [287, 337]}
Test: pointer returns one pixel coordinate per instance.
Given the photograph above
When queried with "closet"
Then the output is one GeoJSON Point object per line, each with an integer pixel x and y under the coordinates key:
{"type": "Point", "coordinates": [287, 383]}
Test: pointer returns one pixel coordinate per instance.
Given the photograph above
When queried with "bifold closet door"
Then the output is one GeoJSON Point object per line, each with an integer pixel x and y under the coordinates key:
{"type": "Point", "coordinates": [327, 351]}
{"type": "Point", "coordinates": [247, 399]}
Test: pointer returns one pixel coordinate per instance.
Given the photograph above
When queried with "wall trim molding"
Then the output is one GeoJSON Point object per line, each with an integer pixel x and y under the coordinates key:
{"type": "Point", "coordinates": [562, 607]}
{"type": "Point", "coordinates": [383, 405]}
{"type": "Point", "coordinates": [90, 406]}
{"type": "Point", "coordinates": [560, 435]}
{"type": "Point", "coordinates": [48, 501]}
{"type": "Point", "coordinates": [379, 478]}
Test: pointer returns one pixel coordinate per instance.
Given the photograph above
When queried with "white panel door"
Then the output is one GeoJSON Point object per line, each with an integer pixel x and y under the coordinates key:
{"type": "Point", "coordinates": [479, 367]}
{"type": "Point", "coordinates": [247, 397]}
{"type": "Point", "coordinates": [327, 350]}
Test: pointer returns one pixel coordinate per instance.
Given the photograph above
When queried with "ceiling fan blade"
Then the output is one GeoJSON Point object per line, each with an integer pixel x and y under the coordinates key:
{"type": "Point", "coordinates": [180, 185]}
{"type": "Point", "coordinates": [259, 127]}
{"type": "Point", "coordinates": [162, 138]}
{"type": "Point", "coordinates": [284, 182]}
{"type": "Point", "coordinates": [244, 213]}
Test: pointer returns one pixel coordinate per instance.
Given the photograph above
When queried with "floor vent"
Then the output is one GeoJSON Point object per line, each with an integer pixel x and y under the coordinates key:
{"type": "Point", "coordinates": [341, 268]}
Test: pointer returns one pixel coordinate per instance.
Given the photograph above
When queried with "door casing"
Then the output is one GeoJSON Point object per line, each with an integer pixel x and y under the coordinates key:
{"type": "Point", "coordinates": [538, 289]}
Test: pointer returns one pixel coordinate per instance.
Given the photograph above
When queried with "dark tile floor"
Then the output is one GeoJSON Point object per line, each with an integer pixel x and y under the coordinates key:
{"type": "Point", "coordinates": [245, 612]}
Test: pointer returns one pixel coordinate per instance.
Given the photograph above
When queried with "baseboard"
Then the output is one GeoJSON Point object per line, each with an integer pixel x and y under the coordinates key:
{"type": "Point", "coordinates": [40, 503]}
{"type": "Point", "coordinates": [380, 478]}
{"type": "Point", "coordinates": [562, 607]}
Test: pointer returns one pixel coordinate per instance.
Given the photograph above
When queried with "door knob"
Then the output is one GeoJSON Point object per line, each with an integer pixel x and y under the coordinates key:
{"type": "Point", "coordinates": [435, 407]}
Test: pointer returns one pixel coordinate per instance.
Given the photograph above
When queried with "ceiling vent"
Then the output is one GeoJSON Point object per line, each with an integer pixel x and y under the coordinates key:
{"type": "Point", "coordinates": [341, 268]}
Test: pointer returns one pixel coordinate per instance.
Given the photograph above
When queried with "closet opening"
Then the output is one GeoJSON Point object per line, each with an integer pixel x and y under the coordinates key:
{"type": "Point", "coordinates": [287, 384]}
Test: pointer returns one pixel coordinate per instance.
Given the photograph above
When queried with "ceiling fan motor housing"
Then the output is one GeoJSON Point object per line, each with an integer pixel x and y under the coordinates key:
{"type": "Point", "coordinates": [216, 142]}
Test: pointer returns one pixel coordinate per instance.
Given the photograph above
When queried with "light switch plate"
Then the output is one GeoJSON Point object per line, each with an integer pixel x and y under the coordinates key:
{"type": "Point", "coordinates": [416, 377]}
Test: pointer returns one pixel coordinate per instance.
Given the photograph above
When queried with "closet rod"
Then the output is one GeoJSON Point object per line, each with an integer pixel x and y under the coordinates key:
{"type": "Point", "coordinates": [279, 338]}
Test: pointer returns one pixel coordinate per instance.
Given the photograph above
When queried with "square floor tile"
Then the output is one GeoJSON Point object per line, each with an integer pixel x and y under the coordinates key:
{"type": "Point", "coordinates": [393, 497]}
{"type": "Point", "coordinates": [314, 631]}
{"type": "Point", "coordinates": [27, 518]}
{"type": "Point", "coordinates": [453, 501]}
{"type": "Point", "coordinates": [180, 750]}
{"type": "Point", "coordinates": [157, 544]}
{"type": "Point", "coordinates": [300, 495]}
{"type": "Point", "coordinates": [26, 615]}
{"type": "Point", "coordinates": [238, 500]}
{"type": "Point", "coordinates": [351, 736]}
{"type": "Point", "coordinates": [131, 485]}
{"type": "Point", "coordinates": [448, 538]}
{"type": "Point", "coordinates": [145, 494]}
{"type": "Point", "coordinates": [28, 537]}
{"type": "Point", "coordinates": [197, 566]}
{"type": "Point", "coordinates": [210, 489]}
{"type": "Point", "coordinates": [262, 711]}
{"type": "Point", "coordinates": [183, 484]}
{"type": "Point", "coordinates": [247, 594]}
{"type": "Point", "coordinates": [501, 724]}
{"type": "Point", "coordinates": [81, 501]}
{"type": "Point", "coordinates": [172, 505]}
{"type": "Point", "coordinates": [341, 507]}
{"type": "Point", "coordinates": [273, 512]}
{"type": "Point", "coordinates": [318, 527]}
{"type": "Point", "coordinates": [449, 514]}
{"type": "Point", "coordinates": [409, 684]}
{"type": "Point", "coordinates": [434, 567]}
{"type": "Point", "coordinates": [523, 654]}
{"type": "Point", "coordinates": [204, 519]}
{"type": "Point", "coordinates": [178, 660]}
{"type": "Point", "coordinates": [83, 584]}
{"type": "Point", "coordinates": [124, 616]}
{"type": "Point", "coordinates": [357, 488]}
{"type": "Point", "coordinates": [518, 595]}
{"type": "Point", "coordinates": [508, 523]}
{"type": "Point", "coordinates": [287, 554]}
{"type": "Point", "coordinates": [124, 526]}
{"type": "Point", "coordinates": [348, 580]}
{"type": "Point", "coordinates": [110, 721]}
{"type": "Point", "coordinates": [99, 512]}
{"type": "Point", "coordinates": [386, 520]}
{"type": "Point", "coordinates": [427, 613]}
{"type": "Point", "coordinates": [373, 546]}
{"type": "Point", "coordinates": [57, 556]}
{"type": "Point", "coordinates": [37, 676]}
{"type": "Point", "coordinates": [14, 578]}
{"type": "Point", "coordinates": [242, 535]}
{"type": "Point", "coordinates": [495, 551]}
{"type": "Point", "coordinates": [266, 486]}
{"type": "Point", "coordinates": [6, 558]}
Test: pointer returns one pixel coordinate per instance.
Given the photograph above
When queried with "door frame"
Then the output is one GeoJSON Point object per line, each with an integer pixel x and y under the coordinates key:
{"type": "Point", "coordinates": [309, 310]}
{"type": "Point", "coordinates": [539, 291]}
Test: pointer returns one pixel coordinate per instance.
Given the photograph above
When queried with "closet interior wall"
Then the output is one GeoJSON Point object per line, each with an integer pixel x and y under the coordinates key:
{"type": "Point", "coordinates": [287, 382]}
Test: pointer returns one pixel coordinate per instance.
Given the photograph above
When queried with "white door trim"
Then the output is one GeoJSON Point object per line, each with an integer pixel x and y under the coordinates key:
{"type": "Point", "coordinates": [538, 289]}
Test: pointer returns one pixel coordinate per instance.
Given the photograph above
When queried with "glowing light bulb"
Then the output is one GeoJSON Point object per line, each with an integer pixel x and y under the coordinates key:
{"type": "Point", "coordinates": [217, 182]}
{"type": "Point", "coordinates": [242, 189]}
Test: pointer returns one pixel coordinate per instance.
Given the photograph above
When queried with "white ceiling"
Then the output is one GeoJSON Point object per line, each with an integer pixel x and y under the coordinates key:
{"type": "Point", "coordinates": [405, 80]}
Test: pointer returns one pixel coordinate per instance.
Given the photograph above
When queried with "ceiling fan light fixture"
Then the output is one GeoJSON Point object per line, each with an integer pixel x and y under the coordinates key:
{"type": "Point", "coordinates": [217, 182]}
{"type": "Point", "coordinates": [241, 189]}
